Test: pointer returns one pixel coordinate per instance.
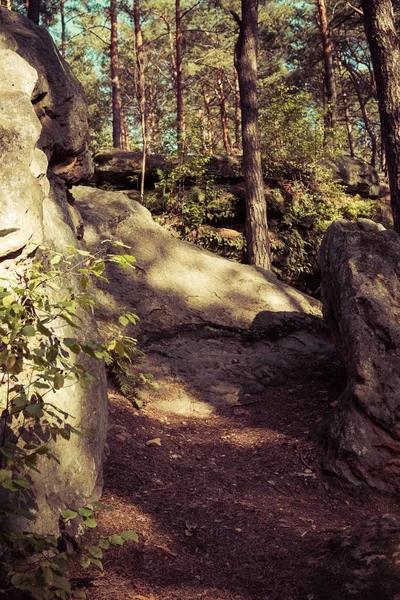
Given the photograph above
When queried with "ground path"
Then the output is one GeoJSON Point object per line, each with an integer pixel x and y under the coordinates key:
{"type": "Point", "coordinates": [219, 472]}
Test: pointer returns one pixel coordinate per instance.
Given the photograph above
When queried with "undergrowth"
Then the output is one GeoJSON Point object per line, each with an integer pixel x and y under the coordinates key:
{"type": "Point", "coordinates": [42, 351]}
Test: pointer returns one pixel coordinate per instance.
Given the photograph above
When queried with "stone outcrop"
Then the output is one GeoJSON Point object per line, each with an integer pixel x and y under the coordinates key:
{"type": "Point", "coordinates": [178, 283]}
{"type": "Point", "coordinates": [38, 124]}
{"type": "Point", "coordinates": [360, 264]}
{"type": "Point", "coordinates": [57, 97]}
{"type": "Point", "coordinates": [214, 331]}
{"type": "Point", "coordinates": [357, 176]}
{"type": "Point", "coordinates": [123, 170]}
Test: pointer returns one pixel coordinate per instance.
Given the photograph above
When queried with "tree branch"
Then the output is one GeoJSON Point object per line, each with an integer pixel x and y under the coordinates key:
{"type": "Point", "coordinates": [236, 17]}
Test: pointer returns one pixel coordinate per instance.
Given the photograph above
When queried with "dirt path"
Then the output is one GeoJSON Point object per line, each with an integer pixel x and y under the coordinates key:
{"type": "Point", "coordinates": [232, 504]}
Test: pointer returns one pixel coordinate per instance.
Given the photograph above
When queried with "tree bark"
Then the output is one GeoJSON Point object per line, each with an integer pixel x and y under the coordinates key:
{"type": "Point", "coordinates": [124, 133]}
{"type": "Point", "coordinates": [364, 112]}
{"type": "Point", "coordinates": [62, 16]}
{"type": "Point", "coordinates": [237, 112]}
{"type": "Point", "coordinates": [34, 10]}
{"type": "Point", "coordinates": [207, 108]}
{"type": "Point", "coordinates": [141, 88]}
{"type": "Point", "coordinates": [115, 85]}
{"type": "Point", "coordinates": [223, 112]}
{"type": "Point", "coordinates": [346, 107]}
{"type": "Point", "coordinates": [384, 44]}
{"type": "Point", "coordinates": [180, 116]}
{"type": "Point", "coordinates": [246, 66]}
{"type": "Point", "coordinates": [330, 83]}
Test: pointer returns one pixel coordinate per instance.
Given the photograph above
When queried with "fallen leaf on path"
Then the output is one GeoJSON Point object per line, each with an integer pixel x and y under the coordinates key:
{"type": "Point", "coordinates": [188, 533]}
{"type": "Point", "coordinates": [154, 442]}
{"type": "Point", "coordinates": [167, 550]}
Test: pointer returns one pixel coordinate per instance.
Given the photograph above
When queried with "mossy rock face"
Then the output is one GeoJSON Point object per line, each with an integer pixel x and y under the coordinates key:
{"type": "Point", "coordinates": [362, 564]}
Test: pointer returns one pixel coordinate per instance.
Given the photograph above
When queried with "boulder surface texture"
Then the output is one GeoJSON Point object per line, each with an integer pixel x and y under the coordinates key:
{"type": "Point", "coordinates": [360, 267]}
{"type": "Point", "coordinates": [177, 284]}
{"type": "Point", "coordinates": [357, 176]}
{"type": "Point", "coordinates": [214, 331]}
{"type": "Point", "coordinates": [42, 121]}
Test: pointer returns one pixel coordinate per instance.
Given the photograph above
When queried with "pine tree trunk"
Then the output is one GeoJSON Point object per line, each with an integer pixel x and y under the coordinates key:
{"type": "Point", "coordinates": [330, 83]}
{"type": "Point", "coordinates": [237, 113]}
{"type": "Point", "coordinates": [153, 132]}
{"type": "Point", "coordinates": [223, 112]}
{"type": "Point", "coordinates": [115, 85]}
{"type": "Point", "coordinates": [141, 88]}
{"type": "Point", "coordinates": [346, 107]}
{"type": "Point", "coordinates": [364, 113]}
{"type": "Point", "coordinates": [62, 16]}
{"type": "Point", "coordinates": [180, 127]}
{"type": "Point", "coordinates": [34, 10]}
{"type": "Point", "coordinates": [124, 134]}
{"type": "Point", "coordinates": [210, 133]}
{"type": "Point", "coordinates": [246, 66]}
{"type": "Point", "coordinates": [384, 44]}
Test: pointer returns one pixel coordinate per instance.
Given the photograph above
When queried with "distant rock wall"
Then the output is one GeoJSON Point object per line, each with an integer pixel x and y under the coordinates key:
{"type": "Point", "coordinates": [43, 121]}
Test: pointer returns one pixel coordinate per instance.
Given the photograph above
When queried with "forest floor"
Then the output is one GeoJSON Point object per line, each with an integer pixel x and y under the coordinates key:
{"type": "Point", "coordinates": [229, 504]}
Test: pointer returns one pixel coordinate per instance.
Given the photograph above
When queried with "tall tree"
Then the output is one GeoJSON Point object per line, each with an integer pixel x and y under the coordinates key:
{"type": "Point", "coordinates": [246, 66]}
{"type": "Point", "coordinates": [34, 10]}
{"type": "Point", "coordinates": [384, 44]}
{"type": "Point", "coordinates": [115, 84]}
{"type": "Point", "coordinates": [329, 79]}
{"type": "Point", "coordinates": [63, 30]}
{"type": "Point", "coordinates": [141, 87]}
{"type": "Point", "coordinates": [179, 78]}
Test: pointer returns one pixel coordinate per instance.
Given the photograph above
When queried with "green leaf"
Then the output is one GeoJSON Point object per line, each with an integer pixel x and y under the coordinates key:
{"type": "Point", "coordinates": [57, 258]}
{"type": "Point", "coordinates": [130, 535]}
{"type": "Point", "coordinates": [65, 433]}
{"type": "Point", "coordinates": [23, 484]}
{"type": "Point", "coordinates": [116, 539]}
{"type": "Point", "coordinates": [91, 523]}
{"type": "Point", "coordinates": [35, 410]}
{"type": "Point", "coordinates": [69, 514]}
{"type": "Point", "coordinates": [58, 381]}
{"type": "Point", "coordinates": [28, 331]}
{"type": "Point", "coordinates": [43, 330]}
{"type": "Point", "coordinates": [97, 562]}
{"type": "Point", "coordinates": [123, 320]}
{"type": "Point", "coordinates": [104, 543]}
{"type": "Point", "coordinates": [95, 551]}
{"type": "Point", "coordinates": [85, 562]}
{"type": "Point", "coordinates": [7, 301]}
{"type": "Point", "coordinates": [85, 512]}
{"type": "Point", "coordinates": [84, 282]}
{"type": "Point", "coordinates": [62, 583]}
{"type": "Point", "coordinates": [5, 452]}
{"type": "Point", "coordinates": [120, 349]}
{"type": "Point", "coordinates": [70, 342]}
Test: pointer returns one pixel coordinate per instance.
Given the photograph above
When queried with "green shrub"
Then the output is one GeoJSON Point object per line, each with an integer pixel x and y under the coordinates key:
{"type": "Point", "coordinates": [36, 360]}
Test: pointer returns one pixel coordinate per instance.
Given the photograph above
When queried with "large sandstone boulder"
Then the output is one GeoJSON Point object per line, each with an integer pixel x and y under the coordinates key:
{"type": "Point", "coordinates": [34, 210]}
{"type": "Point", "coordinates": [357, 176]}
{"type": "Point", "coordinates": [214, 331]}
{"type": "Point", "coordinates": [177, 284]}
{"type": "Point", "coordinates": [360, 264]}
{"type": "Point", "coordinates": [57, 96]}
{"type": "Point", "coordinates": [123, 169]}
